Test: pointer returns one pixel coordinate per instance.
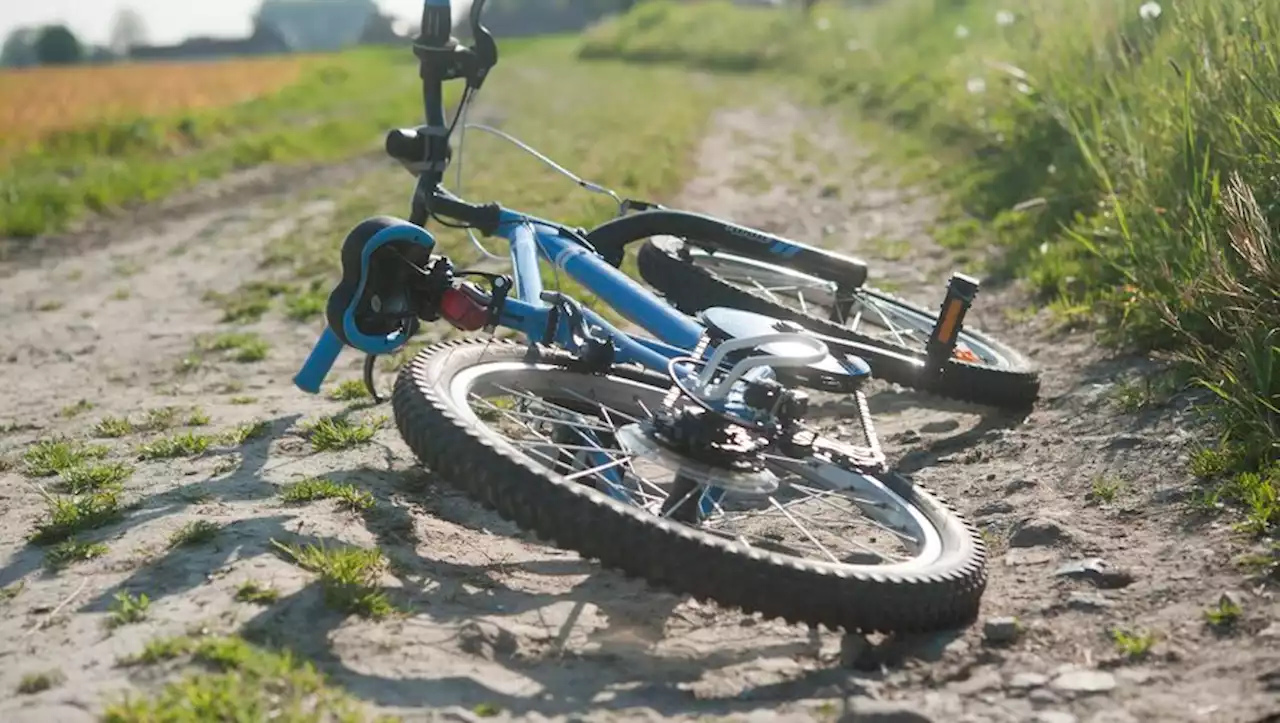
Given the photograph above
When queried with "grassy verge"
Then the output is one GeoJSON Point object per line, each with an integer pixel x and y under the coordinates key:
{"type": "Point", "coordinates": [631, 129]}
{"type": "Point", "coordinates": [1123, 153]}
{"type": "Point", "coordinates": [339, 106]}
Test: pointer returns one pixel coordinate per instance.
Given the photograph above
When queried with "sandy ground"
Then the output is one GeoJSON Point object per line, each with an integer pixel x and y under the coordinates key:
{"type": "Point", "coordinates": [530, 631]}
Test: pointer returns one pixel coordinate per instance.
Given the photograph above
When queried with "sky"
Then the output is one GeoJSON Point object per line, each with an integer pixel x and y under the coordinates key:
{"type": "Point", "coordinates": [168, 21]}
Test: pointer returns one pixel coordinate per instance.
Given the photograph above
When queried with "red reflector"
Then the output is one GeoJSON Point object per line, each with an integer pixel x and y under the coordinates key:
{"type": "Point", "coordinates": [463, 311]}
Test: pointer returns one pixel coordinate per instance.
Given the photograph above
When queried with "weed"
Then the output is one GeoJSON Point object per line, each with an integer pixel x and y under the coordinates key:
{"type": "Point", "coordinates": [127, 609]}
{"type": "Point", "coordinates": [120, 294]}
{"type": "Point", "coordinates": [256, 592]}
{"type": "Point", "coordinates": [247, 432]}
{"type": "Point", "coordinates": [348, 575]}
{"type": "Point", "coordinates": [47, 458]}
{"type": "Point", "coordinates": [1133, 644]}
{"type": "Point", "coordinates": [9, 592]}
{"type": "Point", "coordinates": [243, 682]}
{"type": "Point", "coordinates": [1105, 489]}
{"type": "Point", "coordinates": [113, 427]}
{"type": "Point", "coordinates": [248, 303]}
{"type": "Point", "coordinates": [241, 346]}
{"type": "Point", "coordinates": [349, 390]}
{"type": "Point", "coordinates": [76, 409]}
{"type": "Point", "coordinates": [242, 401]}
{"type": "Point", "coordinates": [186, 444]}
{"type": "Point", "coordinates": [196, 532]}
{"type": "Point", "coordinates": [33, 683]}
{"type": "Point", "coordinates": [1225, 614]}
{"type": "Point", "coordinates": [486, 710]}
{"type": "Point", "coordinates": [69, 552]}
{"type": "Point", "coordinates": [94, 477]}
{"type": "Point", "coordinates": [68, 516]}
{"type": "Point", "coordinates": [197, 418]}
{"type": "Point", "coordinates": [332, 433]}
{"type": "Point", "coordinates": [310, 490]}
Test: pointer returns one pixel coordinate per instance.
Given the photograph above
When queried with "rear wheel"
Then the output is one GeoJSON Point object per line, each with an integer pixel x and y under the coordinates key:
{"type": "Point", "coordinates": [982, 369]}
{"type": "Point", "coordinates": [564, 454]}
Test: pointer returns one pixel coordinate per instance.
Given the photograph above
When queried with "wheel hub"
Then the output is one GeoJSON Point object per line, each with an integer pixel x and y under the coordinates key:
{"type": "Point", "coordinates": [700, 446]}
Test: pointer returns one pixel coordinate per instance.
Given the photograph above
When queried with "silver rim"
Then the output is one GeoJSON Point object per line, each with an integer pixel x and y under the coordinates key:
{"type": "Point", "coordinates": [867, 314]}
{"type": "Point", "coordinates": [570, 424]}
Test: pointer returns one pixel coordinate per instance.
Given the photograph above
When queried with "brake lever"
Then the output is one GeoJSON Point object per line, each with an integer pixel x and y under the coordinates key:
{"type": "Point", "coordinates": [369, 360]}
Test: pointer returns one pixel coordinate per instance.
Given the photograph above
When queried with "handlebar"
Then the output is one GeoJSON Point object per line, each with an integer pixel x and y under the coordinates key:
{"type": "Point", "coordinates": [425, 150]}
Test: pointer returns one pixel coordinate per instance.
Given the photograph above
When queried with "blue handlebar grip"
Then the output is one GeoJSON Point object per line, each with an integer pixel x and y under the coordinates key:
{"type": "Point", "coordinates": [318, 362]}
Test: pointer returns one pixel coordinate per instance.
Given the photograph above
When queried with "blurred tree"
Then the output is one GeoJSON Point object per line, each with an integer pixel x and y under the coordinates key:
{"type": "Point", "coordinates": [128, 30]}
{"type": "Point", "coordinates": [57, 45]}
{"type": "Point", "coordinates": [19, 48]}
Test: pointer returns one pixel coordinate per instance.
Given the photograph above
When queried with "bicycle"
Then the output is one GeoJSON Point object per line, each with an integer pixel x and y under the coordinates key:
{"type": "Point", "coordinates": [698, 262]}
{"type": "Point", "coordinates": [649, 454]}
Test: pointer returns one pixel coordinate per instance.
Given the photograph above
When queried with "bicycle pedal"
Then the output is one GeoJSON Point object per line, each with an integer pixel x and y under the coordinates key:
{"type": "Point", "coordinates": [961, 290]}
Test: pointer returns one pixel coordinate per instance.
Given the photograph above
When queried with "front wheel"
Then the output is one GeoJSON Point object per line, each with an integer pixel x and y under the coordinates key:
{"type": "Point", "coordinates": [558, 452]}
{"type": "Point", "coordinates": [982, 370]}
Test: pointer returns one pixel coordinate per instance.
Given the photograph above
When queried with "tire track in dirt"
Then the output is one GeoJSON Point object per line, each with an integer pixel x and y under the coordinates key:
{"type": "Point", "coordinates": [495, 619]}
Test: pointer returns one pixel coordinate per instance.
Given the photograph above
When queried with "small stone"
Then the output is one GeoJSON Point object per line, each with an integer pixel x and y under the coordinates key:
{"type": "Point", "coordinates": [1088, 602]}
{"type": "Point", "coordinates": [985, 679]}
{"type": "Point", "coordinates": [866, 710]}
{"type": "Point", "coordinates": [1018, 485]}
{"type": "Point", "coordinates": [999, 507]}
{"type": "Point", "coordinates": [1112, 716]}
{"type": "Point", "coordinates": [1038, 532]}
{"type": "Point", "coordinates": [1137, 676]}
{"type": "Point", "coordinates": [1097, 571]}
{"type": "Point", "coordinates": [1000, 631]}
{"type": "Point", "coordinates": [1084, 681]}
{"type": "Point", "coordinates": [1043, 696]}
{"type": "Point", "coordinates": [1271, 631]}
{"type": "Point", "coordinates": [1020, 556]}
{"type": "Point", "coordinates": [1054, 716]}
{"type": "Point", "coordinates": [1024, 681]}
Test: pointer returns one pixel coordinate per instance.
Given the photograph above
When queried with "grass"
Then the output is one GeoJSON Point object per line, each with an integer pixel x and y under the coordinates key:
{"type": "Point", "coordinates": [236, 681]}
{"type": "Point", "coordinates": [239, 346]}
{"type": "Point", "coordinates": [69, 552]}
{"type": "Point", "coordinates": [33, 683]}
{"type": "Point", "coordinates": [1105, 489]}
{"type": "Point", "coordinates": [103, 163]}
{"type": "Point", "coordinates": [257, 593]}
{"type": "Point", "coordinates": [337, 432]}
{"type": "Point", "coordinates": [1133, 644]}
{"type": "Point", "coordinates": [1225, 614]}
{"type": "Point", "coordinates": [195, 533]}
{"type": "Point", "coordinates": [310, 490]}
{"type": "Point", "coordinates": [66, 517]}
{"type": "Point", "coordinates": [349, 390]}
{"type": "Point", "coordinates": [94, 477]}
{"type": "Point", "coordinates": [1124, 164]}
{"type": "Point", "coordinates": [153, 420]}
{"type": "Point", "coordinates": [185, 444]}
{"type": "Point", "coordinates": [49, 457]}
{"type": "Point", "coordinates": [127, 609]}
{"type": "Point", "coordinates": [569, 110]}
{"type": "Point", "coordinates": [75, 410]}
{"type": "Point", "coordinates": [348, 575]}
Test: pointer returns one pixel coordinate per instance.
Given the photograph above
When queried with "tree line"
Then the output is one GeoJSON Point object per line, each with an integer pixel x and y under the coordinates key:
{"type": "Point", "coordinates": [57, 44]}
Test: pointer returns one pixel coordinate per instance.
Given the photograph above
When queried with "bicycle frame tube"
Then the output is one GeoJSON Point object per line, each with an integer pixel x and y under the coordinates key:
{"type": "Point", "coordinates": [531, 238]}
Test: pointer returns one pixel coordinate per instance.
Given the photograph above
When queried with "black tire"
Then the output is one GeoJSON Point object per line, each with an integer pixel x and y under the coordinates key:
{"type": "Point", "coordinates": [942, 593]}
{"type": "Point", "coordinates": [692, 288]}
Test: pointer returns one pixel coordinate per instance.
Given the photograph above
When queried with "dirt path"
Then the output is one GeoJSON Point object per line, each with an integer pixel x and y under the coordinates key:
{"type": "Point", "coordinates": [500, 625]}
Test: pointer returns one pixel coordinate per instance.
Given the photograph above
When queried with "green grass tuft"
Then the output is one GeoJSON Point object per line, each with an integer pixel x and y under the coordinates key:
{"type": "Point", "coordinates": [348, 575]}
{"type": "Point", "coordinates": [47, 458]}
{"type": "Point", "coordinates": [69, 552]}
{"type": "Point", "coordinates": [195, 533]}
{"type": "Point", "coordinates": [66, 517]}
{"type": "Point", "coordinates": [310, 490]}
{"type": "Point", "coordinates": [334, 433]}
